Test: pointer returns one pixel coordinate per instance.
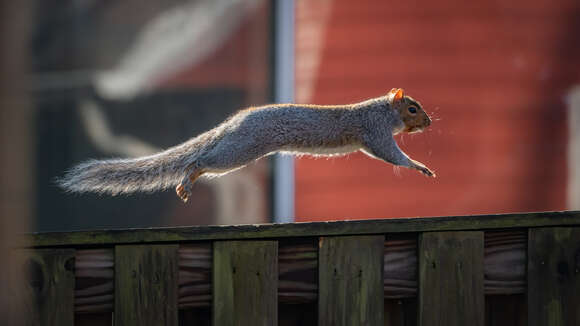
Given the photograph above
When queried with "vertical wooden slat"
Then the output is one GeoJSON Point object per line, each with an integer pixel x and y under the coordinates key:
{"type": "Point", "coordinates": [554, 276]}
{"type": "Point", "coordinates": [52, 283]}
{"type": "Point", "coordinates": [245, 283]}
{"type": "Point", "coordinates": [350, 280]}
{"type": "Point", "coordinates": [146, 285]}
{"type": "Point", "coordinates": [451, 278]}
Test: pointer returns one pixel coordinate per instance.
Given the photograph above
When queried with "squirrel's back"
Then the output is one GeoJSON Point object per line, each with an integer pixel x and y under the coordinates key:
{"type": "Point", "coordinates": [311, 129]}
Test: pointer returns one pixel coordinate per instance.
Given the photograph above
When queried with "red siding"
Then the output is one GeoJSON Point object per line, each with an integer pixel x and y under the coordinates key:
{"type": "Point", "coordinates": [493, 75]}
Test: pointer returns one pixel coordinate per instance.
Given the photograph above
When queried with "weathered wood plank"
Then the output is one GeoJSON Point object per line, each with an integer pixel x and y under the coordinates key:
{"type": "Point", "coordinates": [196, 233]}
{"type": "Point", "coordinates": [146, 285]}
{"type": "Point", "coordinates": [350, 280]}
{"type": "Point", "coordinates": [554, 276]}
{"type": "Point", "coordinates": [52, 284]}
{"type": "Point", "coordinates": [400, 266]}
{"type": "Point", "coordinates": [298, 271]}
{"type": "Point", "coordinates": [195, 275]}
{"type": "Point", "coordinates": [451, 278]}
{"type": "Point", "coordinates": [505, 262]}
{"type": "Point", "coordinates": [245, 283]}
{"type": "Point", "coordinates": [95, 280]}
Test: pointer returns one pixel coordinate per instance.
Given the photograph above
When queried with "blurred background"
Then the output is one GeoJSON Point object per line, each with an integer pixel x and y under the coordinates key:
{"type": "Point", "coordinates": [86, 79]}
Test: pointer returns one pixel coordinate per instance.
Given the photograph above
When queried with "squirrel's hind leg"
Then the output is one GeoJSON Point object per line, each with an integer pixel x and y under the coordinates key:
{"type": "Point", "coordinates": [183, 190]}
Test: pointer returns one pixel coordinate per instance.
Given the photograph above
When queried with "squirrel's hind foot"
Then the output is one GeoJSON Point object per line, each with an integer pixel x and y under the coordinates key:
{"type": "Point", "coordinates": [183, 190]}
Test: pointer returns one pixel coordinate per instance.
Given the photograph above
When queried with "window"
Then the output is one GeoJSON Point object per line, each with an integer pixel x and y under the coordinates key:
{"type": "Point", "coordinates": [125, 79]}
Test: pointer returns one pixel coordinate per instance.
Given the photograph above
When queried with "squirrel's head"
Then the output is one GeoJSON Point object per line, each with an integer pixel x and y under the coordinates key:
{"type": "Point", "coordinates": [410, 111]}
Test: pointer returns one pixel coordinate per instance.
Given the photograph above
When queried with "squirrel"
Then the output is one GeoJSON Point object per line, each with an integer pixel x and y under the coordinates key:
{"type": "Point", "coordinates": [318, 130]}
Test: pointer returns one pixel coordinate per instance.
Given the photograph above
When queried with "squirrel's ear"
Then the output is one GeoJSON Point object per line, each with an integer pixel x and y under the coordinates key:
{"type": "Point", "coordinates": [398, 94]}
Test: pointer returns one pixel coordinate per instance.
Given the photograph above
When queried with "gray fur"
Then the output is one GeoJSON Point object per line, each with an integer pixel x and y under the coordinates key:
{"type": "Point", "coordinates": [249, 135]}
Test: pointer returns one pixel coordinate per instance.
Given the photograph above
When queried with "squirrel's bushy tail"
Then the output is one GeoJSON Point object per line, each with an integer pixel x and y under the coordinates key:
{"type": "Point", "coordinates": [116, 176]}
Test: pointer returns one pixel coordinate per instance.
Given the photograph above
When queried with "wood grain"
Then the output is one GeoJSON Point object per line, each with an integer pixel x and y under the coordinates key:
{"type": "Point", "coordinates": [361, 227]}
{"type": "Point", "coordinates": [245, 283]}
{"type": "Point", "coordinates": [95, 280]}
{"type": "Point", "coordinates": [400, 266]}
{"type": "Point", "coordinates": [194, 275]}
{"type": "Point", "coordinates": [451, 278]}
{"type": "Point", "coordinates": [146, 285]}
{"type": "Point", "coordinates": [350, 280]}
{"type": "Point", "coordinates": [505, 271]}
{"type": "Point", "coordinates": [554, 276]}
{"type": "Point", "coordinates": [51, 281]}
{"type": "Point", "coordinates": [298, 268]}
{"type": "Point", "coordinates": [505, 262]}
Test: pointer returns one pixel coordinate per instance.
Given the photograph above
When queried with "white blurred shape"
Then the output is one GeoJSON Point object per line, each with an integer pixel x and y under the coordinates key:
{"type": "Point", "coordinates": [100, 133]}
{"type": "Point", "coordinates": [573, 101]}
{"type": "Point", "coordinates": [177, 38]}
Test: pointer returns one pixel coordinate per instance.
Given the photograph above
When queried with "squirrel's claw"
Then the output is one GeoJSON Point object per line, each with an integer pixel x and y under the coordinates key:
{"type": "Point", "coordinates": [422, 168]}
{"type": "Point", "coordinates": [428, 172]}
{"type": "Point", "coordinates": [183, 193]}
{"type": "Point", "coordinates": [425, 170]}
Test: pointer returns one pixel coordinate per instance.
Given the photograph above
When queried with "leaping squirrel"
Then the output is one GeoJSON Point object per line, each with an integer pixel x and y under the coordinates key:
{"type": "Point", "coordinates": [318, 130]}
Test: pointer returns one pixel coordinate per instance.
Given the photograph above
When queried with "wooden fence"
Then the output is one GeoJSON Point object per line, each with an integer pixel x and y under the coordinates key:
{"type": "Point", "coordinates": [519, 269]}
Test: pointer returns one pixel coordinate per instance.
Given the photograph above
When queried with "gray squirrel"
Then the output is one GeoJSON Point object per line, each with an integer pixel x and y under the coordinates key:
{"type": "Point", "coordinates": [319, 130]}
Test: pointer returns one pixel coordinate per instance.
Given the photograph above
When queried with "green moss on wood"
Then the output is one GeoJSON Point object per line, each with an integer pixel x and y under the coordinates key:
{"type": "Point", "coordinates": [451, 278]}
{"type": "Point", "coordinates": [265, 231]}
{"type": "Point", "coordinates": [51, 284]}
{"type": "Point", "coordinates": [245, 283]}
{"type": "Point", "coordinates": [350, 280]}
{"type": "Point", "coordinates": [146, 285]}
{"type": "Point", "coordinates": [553, 276]}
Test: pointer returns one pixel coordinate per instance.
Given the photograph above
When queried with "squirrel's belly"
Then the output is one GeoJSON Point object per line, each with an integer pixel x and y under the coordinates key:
{"type": "Point", "coordinates": [324, 151]}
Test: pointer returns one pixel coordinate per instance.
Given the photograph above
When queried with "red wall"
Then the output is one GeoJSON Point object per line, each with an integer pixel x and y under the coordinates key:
{"type": "Point", "coordinates": [493, 76]}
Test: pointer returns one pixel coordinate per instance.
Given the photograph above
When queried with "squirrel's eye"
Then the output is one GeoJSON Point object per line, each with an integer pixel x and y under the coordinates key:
{"type": "Point", "coordinates": [412, 109]}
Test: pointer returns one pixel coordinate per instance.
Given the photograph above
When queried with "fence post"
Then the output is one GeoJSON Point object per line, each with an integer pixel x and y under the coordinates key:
{"type": "Point", "coordinates": [245, 283]}
{"type": "Point", "coordinates": [51, 282]}
{"type": "Point", "coordinates": [451, 278]}
{"type": "Point", "coordinates": [146, 285]}
{"type": "Point", "coordinates": [554, 276]}
{"type": "Point", "coordinates": [350, 280]}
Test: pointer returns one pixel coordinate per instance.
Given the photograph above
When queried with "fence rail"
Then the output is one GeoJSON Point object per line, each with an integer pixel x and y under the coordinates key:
{"type": "Point", "coordinates": [512, 269]}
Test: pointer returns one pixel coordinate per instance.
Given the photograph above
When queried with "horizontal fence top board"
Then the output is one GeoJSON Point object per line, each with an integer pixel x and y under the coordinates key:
{"type": "Point", "coordinates": [265, 231]}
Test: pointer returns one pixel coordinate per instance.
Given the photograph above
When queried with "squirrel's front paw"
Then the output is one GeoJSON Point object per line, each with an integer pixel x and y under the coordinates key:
{"type": "Point", "coordinates": [425, 170]}
{"type": "Point", "coordinates": [422, 168]}
{"type": "Point", "coordinates": [183, 191]}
